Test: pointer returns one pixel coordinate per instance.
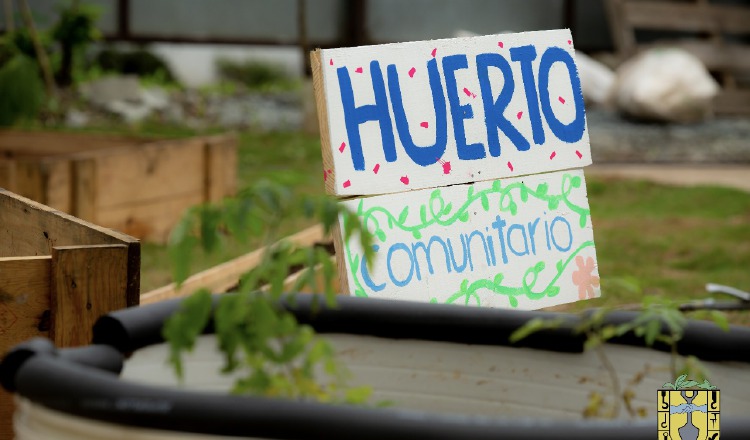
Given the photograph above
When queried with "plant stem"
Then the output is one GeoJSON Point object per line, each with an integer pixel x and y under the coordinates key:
{"type": "Point", "coordinates": [41, 54]}
{"type": "Point", "coordinates": [613, 376]}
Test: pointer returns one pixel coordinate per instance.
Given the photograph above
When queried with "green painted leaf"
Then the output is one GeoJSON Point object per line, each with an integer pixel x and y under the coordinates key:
{"type": "Point", "coordinates": [404, 214]}
{"type": "Point", "coordinates": [485, 201]}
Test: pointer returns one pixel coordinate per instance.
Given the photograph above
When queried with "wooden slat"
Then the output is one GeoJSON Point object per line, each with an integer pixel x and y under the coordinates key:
{"type": "Point", "coordinates": [322, 107]}
{"type": "Point", "coordinates": [30, 144]}
{"type": "Point", "coordinates": [84, 189]}
{"type": "Point", "coordinates": [688, 17]}
{"type": "Point", "coordinates": [85, 283]}
{"type": "Point", "coordinates": [727, 57]}
{"type": "Point", "coordinates": [290, 281]}
{"type": "Point", "coordinates": [28, 228]}
{"type": "Point", "coordinates": [220, 278]}
{"type": "Point", "coordinates": [149, 172]}
{"type": "Point", "coordinates": [735, 102]}
{"type": "Point", "coordinates": [151, 220]}
{"type": "Point", "coordinates": [24, 314]}
{"type": "Point", "coordinates": [220, 167]}
{"type": "Point", "coordinates": [58, 181]}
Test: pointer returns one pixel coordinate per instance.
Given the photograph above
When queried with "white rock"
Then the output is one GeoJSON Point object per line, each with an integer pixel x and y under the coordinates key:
{"type": "Point", "coordinates": [665, 85]}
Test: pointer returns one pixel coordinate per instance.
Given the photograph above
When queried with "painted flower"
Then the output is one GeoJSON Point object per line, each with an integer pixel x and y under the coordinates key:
{"type": "Point", "coordinates": [584, 278]}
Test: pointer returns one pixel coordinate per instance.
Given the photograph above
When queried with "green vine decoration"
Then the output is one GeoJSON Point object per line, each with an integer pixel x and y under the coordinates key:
{"type": "Point", "coordinates": [437, 212]}
{"type": "Point", "coordinates": [468, 291]}
{"type": "Point", "coordinates": [440, 212]}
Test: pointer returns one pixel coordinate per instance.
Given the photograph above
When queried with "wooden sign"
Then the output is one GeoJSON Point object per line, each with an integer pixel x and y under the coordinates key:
{"type": "Point", "coordinates": [524, 243]}
{"type": "Point", "coordinates": [459, 145]}
{"type": "Point", "coordinates": [417, 115]}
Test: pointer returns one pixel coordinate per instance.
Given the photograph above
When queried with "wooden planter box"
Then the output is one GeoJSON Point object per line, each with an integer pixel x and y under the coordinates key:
{"type": "Point", "coordinates": [58, 275]}
{"type": "Point", "coordinates": [138, 186]}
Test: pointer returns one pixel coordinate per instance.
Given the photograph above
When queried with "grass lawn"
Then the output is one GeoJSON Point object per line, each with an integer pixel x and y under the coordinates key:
{"type": "Point", "coordinates": [651, 239]}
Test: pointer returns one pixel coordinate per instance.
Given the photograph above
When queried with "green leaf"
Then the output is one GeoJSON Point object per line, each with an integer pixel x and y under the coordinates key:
{"type": "Point", "coordinates": [689, 384]}
{"type": "Point", "coordinates": [679, 380]}
{"type": "Point", "coordinates": [485, 201]}
{"type": "Point", "coordinates": [720, 319]}
{"type": "Point", "coordinates": [669, 385]}
{"type": "Point", "coordinates": [404, 214]}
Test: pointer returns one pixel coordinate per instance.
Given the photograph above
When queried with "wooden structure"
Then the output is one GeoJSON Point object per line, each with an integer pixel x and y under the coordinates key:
{"type": "Point", "coordinates": [138, 186]}
{"type": "Point", "coordinates": [221, 278]}
{"type": "Point", "coordinates": [58, 274]}
{"type": "Point", "coordinates": [718, 28]}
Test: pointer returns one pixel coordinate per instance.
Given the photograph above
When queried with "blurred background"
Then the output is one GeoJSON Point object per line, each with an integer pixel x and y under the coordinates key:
{"type": "Point", "coordinates": [666, 84]}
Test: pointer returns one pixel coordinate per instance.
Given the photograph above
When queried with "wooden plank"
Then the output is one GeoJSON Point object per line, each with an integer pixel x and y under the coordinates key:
{"type": "Point", "coordinates": [45, 143]}
{"type": "Point", "coordinates": [220, 167]}
{"type": "Point", "coordinates": [393, 126]}
{"type": "Point", "coordinates": [291, 280]}
{"type": "Point", "coordinates": [219, 278]}
{"type": "Point", "coordinates": [7, 174]}
{"type": "Point", "coordinates": [524, 243]}
{"type": "Point", "coordinates": [322, 109]}
{"type": "Point", "coordinates": [150, 220]}
{"type": "Point", "coordinates": [24, 314]}
{"type": "Point", "coordinates": [87, 282]}
{"type": "Point", "coordinates": [622, 33]}
{"type": "Point", "coordinates": [58, 177]}
{"type": "Point", "coordinates": [688, 17]}
{"type": "Point", "coordinates": [28, 180]}
{"type": "Point", "coordinates": [85, 189]}
{"type": "Point", "coordinates": [28, 228]}
{"type": "Point", "coordinates": [725, 57]}
{"type": "Point", "coordinates": [24, 299]}
{"type": "Point", "coordinates": [733, 102]}
{"type": "Point", "coordinates": [149, 172]}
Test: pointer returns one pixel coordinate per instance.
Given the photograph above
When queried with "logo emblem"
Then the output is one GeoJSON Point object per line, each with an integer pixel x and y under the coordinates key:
{"type": "Point", "coordinates": [688, 410]}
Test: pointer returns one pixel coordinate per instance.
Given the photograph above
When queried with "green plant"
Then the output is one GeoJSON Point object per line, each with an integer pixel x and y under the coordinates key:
{"type": "Point", "coordinates": [277, 355]}
{"type": "Point", "coordinates": [658, 320]}
{"type": "Point", "coordinates": [74, 31]}
{"type": "Point", "coordinates": [255, 75]}
{"type": "Point", "coordinates": [21, 86]}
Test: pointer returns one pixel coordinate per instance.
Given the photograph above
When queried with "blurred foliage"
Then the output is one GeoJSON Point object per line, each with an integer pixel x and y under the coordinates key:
{"type": "Point", "coordinates": [258, 336]}
{"type": "Point", "coordinates": [139, 62]}
{"type": "Point", "coordinates": [255, 75]}
{"type": "Point", "coordinates": [21, 87]}
{"type": "Point", "coordinates": [74, 31]}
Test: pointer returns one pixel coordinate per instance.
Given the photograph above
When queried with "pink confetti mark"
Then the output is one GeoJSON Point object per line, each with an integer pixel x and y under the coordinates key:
{"type": "Point", "coordinates": [468, 93]}
{"type": "Point", "coordinates": [347, 184]}
{"type": "Point", "coordinates": [341, 147]}
{"type": "Point", "coordinates": [446, 166]}
{"type": "Point", "coordinates": [510, 166]}
{"type": "Point", "coordinates": [570, 42]}
{"type": "Point", "coordinates": [561, 99]}
{"type": "Point", "coordinates": [405, 180]}
{"type": "Point", "coordinates": [552, 156]}
{"type": "Point", "coordinates": [411, 72]}
{"type": "Point", "coordinates": [434, 52]}
{"type": "Point", "coordinates": [358, 70]}
{"type": "Point", "coordinates": [578, 153]}
{"type": "Point", "coordinates": [500, 43]}
{"type": "Point", "coordinates": [519, 115]}
{"type": "Point", "coordinates": [424, 124]}
{"type": "Point", "coordinates": [330, 61]}
{"type": "Point", "coordinates": [376, 168]}
{"type": "Point", "coordinates": [325, 175]}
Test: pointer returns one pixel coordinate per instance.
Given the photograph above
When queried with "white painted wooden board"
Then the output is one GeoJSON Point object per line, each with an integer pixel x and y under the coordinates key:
{"type": "Point", "coordinates": [424, 114]}
{"type": "Point", "coordinates": [523, 243]}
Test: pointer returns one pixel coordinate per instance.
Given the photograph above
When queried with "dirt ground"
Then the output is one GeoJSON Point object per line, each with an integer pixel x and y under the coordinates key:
{"type": "Point", "coordinates": [734, 176]}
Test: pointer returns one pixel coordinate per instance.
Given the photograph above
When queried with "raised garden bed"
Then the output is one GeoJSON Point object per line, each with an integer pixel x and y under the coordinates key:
{"type": "Point", "coordinates": [139, 186]}
{"type": "Point", "coordinates": [58, 275]}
